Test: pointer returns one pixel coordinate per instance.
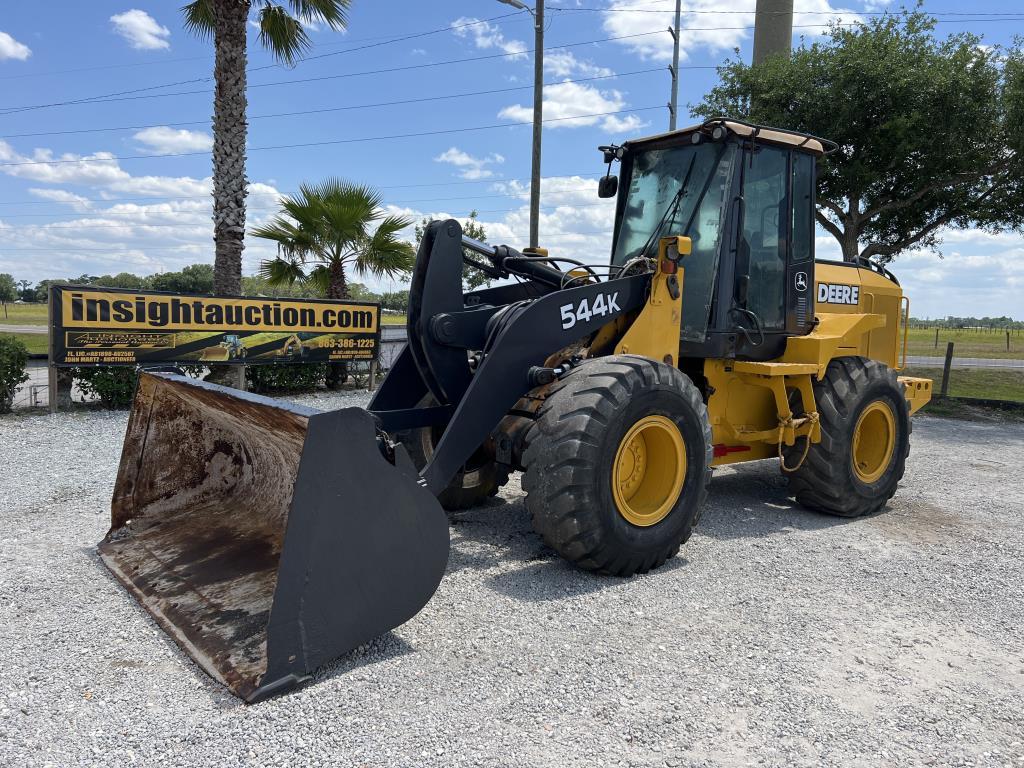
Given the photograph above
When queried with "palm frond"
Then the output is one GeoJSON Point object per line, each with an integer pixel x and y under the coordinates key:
{"type": "Point", "coordinates": [383, 254]}
{"type": "Point", "coordinates": [319, 278]}
{"type": "Point", "coordinates": [331, 12]}
{"type": "Point", "coordinates": [279, 271]}
{"type": "Point", "coordinates": [330, 222]}
{"type": "Point", "coordinates": [293, 240]}
{"type": "Point", "coordinates": [282, 34]}
{"type": "Point", "coordinates": [199, 18]}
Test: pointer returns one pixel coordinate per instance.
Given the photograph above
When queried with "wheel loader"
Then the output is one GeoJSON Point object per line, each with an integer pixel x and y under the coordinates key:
{"type": "Point", "coordinates": [269, 538]}
{"type": "Point", "coordinates": [231, 348]}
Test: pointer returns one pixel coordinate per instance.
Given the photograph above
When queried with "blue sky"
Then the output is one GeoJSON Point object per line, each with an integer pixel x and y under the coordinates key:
{"type": "Point", "coordinates": [69, 203]}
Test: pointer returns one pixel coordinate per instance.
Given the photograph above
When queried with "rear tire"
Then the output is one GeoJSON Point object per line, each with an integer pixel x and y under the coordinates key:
{"type": "Point", "coordinates": [574, 479]}
{"type": "Point", "coordinates": [865, 440]}
{"type": "Point", "coordinates": [474, 483]}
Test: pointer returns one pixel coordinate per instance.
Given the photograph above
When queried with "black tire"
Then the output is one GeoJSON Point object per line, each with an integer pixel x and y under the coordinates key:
{"type": "Point", "coordinates": [478, 480]}
{"type": "Point", "coordinates": [571, 450]}
{"type": "Point", "coordinates": [828, 481]}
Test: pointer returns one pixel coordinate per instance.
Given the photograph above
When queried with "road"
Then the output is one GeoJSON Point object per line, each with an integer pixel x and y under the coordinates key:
{"type": "Point", "coordinates": [391, 333]}
{"type": "Point", "coordinates": [965, 362]}
{"type": "Point", "coordinates": [22, 328]}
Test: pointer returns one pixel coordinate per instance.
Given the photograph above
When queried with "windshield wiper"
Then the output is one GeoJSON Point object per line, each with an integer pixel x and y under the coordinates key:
{"type": "Point", "coordinates": [673, 206]}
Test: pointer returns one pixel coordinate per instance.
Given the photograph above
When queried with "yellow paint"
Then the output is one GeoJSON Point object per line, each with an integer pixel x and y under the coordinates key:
{"type": "Point", "coordinates": [874, 440]}
{"type": "Point", "coordinates": [877, 295]}
{"type": "Point", "coordinates": [918, 392]}
{"type": "Point", "coordinates": [835, 335]}
{"type": "Point", "coordinates": [749, 401]}
{"type": "Point", "coordinates": [649, 470]}
{"type": "Point", "coordinates": [749, 407]}
{"type": "Point", "coordinates": [655, 332]}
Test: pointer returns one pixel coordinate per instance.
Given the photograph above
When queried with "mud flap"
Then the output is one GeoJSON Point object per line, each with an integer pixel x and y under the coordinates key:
{"type": "Point", "coordinates": [266, 538]}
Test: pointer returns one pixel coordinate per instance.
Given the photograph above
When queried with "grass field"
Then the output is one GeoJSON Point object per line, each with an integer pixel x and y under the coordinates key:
{"type": "Point", "coordinates": [24, 314]}
{"type": "Point", "coordinates": [36, 342]}
{"type": "Point", "coordinates": [966, 343]}
{"type": "Point", "coordinates": [991, 383]}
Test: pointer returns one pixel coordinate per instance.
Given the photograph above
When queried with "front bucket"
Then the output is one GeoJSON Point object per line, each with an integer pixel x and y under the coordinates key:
{"type": "Point", "coordinates": [267, 538]}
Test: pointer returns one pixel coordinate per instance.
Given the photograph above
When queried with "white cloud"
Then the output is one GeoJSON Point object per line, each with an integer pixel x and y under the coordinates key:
{"type": "Point", "coordinates": [163, 140]}
{"type": "Point", "coordinates": [12, 49]}
{"type": "Point", "coordinates": [488, 36]}
{"type": "Point", "coordinates": [623, 123]}
{"type": "Point", "coordinates": [972, 273]}
{"type": "Point", "coordinates": [141, 30]}
{"type": "Point", "coordinates": [98, 169]}
{"type": "Point", "coordinates": [565, 64]}
{"type": "Point", "coordinates": [566, 100]}
{"type": "Point", "coordinates": [97, 237]}
{"type": "Point", "coordinates": [470, 167]}
{"type": "Point", "coordinates": [709, 31]}
{"type": "Point", "coordinates": [77, 202]}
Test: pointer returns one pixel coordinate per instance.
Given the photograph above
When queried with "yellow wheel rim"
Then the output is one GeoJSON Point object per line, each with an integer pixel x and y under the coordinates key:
{"type": "Point", "coordinates": [649, 470]}
{"type": "Point", "coordinates": [874, 441]}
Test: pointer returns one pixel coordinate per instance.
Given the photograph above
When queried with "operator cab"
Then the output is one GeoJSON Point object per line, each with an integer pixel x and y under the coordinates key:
{"type": "Point", "coordinates": [744, 195]}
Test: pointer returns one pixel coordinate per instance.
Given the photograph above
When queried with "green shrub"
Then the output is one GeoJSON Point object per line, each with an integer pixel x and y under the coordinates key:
{"type": "Point", "coordinates": [13, 357]}
{"type": "Point", "coordinates": [285, 377]}
{"type": "Point", "coordinates": [115, 385]}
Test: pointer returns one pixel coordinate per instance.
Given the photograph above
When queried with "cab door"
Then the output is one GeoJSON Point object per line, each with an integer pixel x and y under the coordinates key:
{"type": "Point", "coordinates": [774, 270]}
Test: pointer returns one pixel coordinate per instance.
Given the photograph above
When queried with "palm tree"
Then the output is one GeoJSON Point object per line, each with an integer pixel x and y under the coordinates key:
{"type": "Point", "coordinates": [324, 231]}
{"type": "Point", "coordinates": [283, 34]}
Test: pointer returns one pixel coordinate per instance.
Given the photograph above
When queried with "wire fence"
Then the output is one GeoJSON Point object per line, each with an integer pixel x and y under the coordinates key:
{"type": "Point", "coordinates": [969, 370]}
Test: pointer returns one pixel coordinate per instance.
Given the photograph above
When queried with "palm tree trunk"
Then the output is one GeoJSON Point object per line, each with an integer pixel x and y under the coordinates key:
{"type": "Point", "coordinates": [338, 287]}
{"type": "Point", "coordinates": [337, 373]}
{"type": "Point", "coordinates": [229, 136]}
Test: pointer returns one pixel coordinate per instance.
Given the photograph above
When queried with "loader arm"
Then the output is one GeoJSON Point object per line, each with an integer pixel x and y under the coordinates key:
{"type": "Point", "coordinates": [511, 341]}
{"type": "Point", "coordinates": [528, 335]}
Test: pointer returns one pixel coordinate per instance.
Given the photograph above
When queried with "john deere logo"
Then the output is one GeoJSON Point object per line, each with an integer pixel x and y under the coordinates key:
{"type": "Point", "coordinates": [801, 281]}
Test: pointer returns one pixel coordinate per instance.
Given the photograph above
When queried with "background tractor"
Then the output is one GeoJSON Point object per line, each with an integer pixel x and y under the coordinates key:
{"type": "Point", "coordinates": [229, 348]}
{"type": "Point", "coordinates": [268, 538]}
{"type": "Point", "coordinates": [291, 350]}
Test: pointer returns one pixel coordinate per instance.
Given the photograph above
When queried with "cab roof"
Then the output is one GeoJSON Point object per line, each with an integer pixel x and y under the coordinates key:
{"type": "Point", "coordinates": [761, 133]}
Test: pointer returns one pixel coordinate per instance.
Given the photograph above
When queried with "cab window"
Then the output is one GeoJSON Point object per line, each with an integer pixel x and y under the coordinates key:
{"type": "Point", "coordinates": [761, 260]}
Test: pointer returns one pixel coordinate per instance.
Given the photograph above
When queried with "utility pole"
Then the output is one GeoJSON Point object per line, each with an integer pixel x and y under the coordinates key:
{"type": "Point", "coordinates": [538, 117]}
{"type": "Point", "coordinates": [674, 69]}
{"type": "Point", "coordinates": [773, 28]}
{"type": "Point", "coordinates": [538, 109]}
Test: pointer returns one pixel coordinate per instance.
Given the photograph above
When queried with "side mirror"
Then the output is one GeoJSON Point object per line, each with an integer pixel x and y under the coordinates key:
{"type": "Point", "coordinates": [607, 186]}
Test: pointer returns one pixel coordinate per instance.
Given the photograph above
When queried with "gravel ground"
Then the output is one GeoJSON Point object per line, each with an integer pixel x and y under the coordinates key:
{"type": "Point", "coordinates": [777, 637]}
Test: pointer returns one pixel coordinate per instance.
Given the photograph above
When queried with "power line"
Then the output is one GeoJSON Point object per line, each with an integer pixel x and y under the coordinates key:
{"type": "Point", "coordinates": [448, 183]}
{"type": "Point", "coordinates": [331, 142]}
{"type": "Point", "coordinates": [779, 13]}
{"type": "Point", "coordinates": [167, 213]}
{"type": "Point", "coordinates": [121, 96]}
{"type": "Point", "coordinates": [86, 226]}
{"type": "Point", "coordinates": [334, 109]}
{"type": "Point", "coordinates": [191, 247]}
{"type": "Point", "coordinates": [110, 96]}
{"type": "Point", "coordinates": [207, 57]}
{"type": "Point", "coordinates": [132, 65]}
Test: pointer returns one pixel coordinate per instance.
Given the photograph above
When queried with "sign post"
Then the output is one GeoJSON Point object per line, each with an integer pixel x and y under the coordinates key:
{"type": "Point", "coordinates": [51, 362]}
